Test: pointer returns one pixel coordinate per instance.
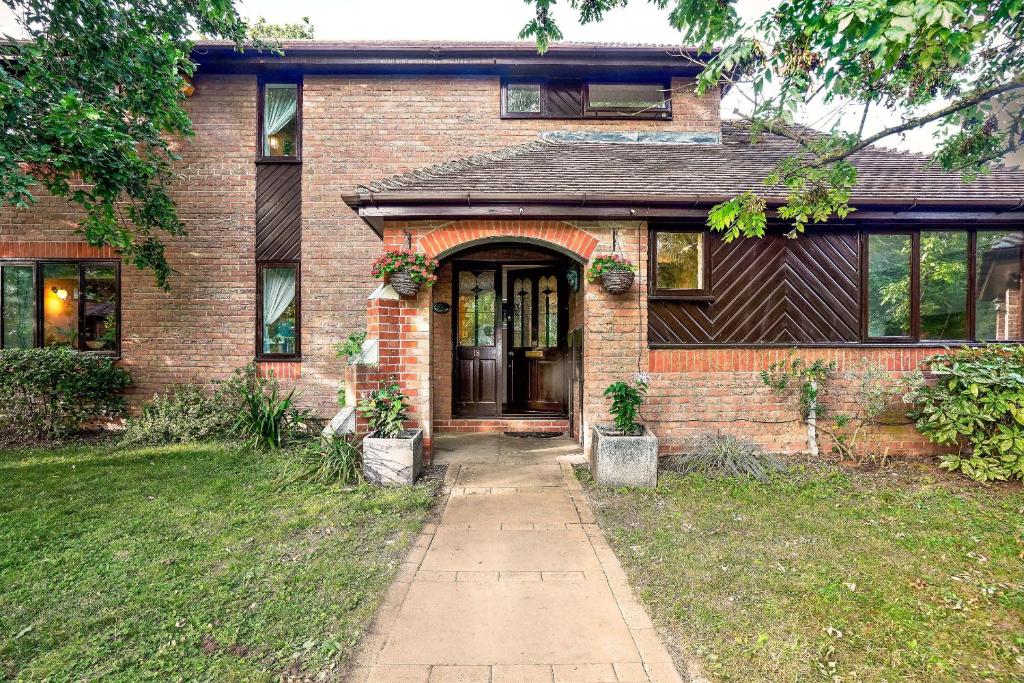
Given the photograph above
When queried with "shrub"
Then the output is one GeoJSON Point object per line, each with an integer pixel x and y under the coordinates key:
{"type": "Point", "coordinates": [716, 453]}
{"type": "Point", "coordinates": [266, 418]}
{"type": "Point", "coordinates": [385, 410]}
{"type": "Point", "coordinates": [184, 413]}
{"type": "Point", "coordinates": [977, 404]}
{"type": "Point", "coordinates": [51, 393]}
{"type": "Point", "coordinates": [626, 401]}
{"type": "Point", "coordinates": [329, 460]}
{"type": "Point", "coordinates": [351, 347]}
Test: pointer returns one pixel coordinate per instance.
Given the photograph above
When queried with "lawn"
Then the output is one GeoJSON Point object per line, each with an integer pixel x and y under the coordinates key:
{"type": "Point", "coordinates": [830, 575]}
{"type": "Point", "coordinates": [187, 563]}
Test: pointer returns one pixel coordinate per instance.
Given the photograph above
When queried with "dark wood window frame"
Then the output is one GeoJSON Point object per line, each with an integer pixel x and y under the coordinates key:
{"type": "Point", "coordinates": [702, 293]}
{"type": "Point", "coordinates": [586, 112]}
{"type": "Point", "coordinates": [915, 298]}
{"type": "Point", "coordinates": [261, 84]}
{"type": "Point", "coordinates": [37, 279]}
{"type": "Point", "coordinates": [297, 356]}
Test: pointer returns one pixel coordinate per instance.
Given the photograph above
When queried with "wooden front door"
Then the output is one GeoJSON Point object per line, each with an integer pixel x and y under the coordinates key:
{"type": "Point", "coordinates": [477, 341]}
{"type": "Point", "coordinates": [536, 326]}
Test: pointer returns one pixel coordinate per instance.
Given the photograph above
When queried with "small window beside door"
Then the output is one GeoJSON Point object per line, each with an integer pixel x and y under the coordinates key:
{"type": "Point", "coordinates": [679, 264]}
{"type": "Point", "coordinates": [280, 135]}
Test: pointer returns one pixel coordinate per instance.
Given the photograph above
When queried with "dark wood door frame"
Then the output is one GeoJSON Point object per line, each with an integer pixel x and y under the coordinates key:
{"type": "Point", "coordinates": [458, 267]}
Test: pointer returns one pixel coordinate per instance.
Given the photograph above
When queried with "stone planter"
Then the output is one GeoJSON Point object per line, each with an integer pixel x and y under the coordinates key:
{"type": "Point", "coordinates": [393, 462]}
{"type": "Point", "coordinates": [403, 283]}
{"type": "Point", "coordinates": [617, 460]}
{"type": "Point", "coordinates": [617, 281]}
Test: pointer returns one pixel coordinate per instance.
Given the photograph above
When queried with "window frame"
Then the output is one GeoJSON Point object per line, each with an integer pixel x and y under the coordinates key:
{"type": "Point", "coordinates": [37, 280]}
{"type": "Point", "coordinates": [283, 357]}
{"type": "Point", "coordinates": [261, 84]}
{"type": "Point", "coordinates": [915, 287]}
{"type": "Point", "coordinates": [703, 293]}
{"type": "Point", "coordinates": [582, 86]}
{"type": "Point", "coordinates": [664, 113]}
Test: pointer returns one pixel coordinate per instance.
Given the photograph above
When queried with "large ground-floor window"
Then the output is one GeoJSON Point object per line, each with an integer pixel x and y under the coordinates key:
{"type": "Point", "coordinates": [60, 303]}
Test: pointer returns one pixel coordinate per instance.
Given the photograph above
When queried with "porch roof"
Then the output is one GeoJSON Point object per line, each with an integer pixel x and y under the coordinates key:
{"type": "Point", "coordinates": [573, 177]}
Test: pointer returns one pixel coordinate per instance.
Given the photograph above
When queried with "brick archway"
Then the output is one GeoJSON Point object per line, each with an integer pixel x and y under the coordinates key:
{"type": "Point", "coordinates": [557, 235]}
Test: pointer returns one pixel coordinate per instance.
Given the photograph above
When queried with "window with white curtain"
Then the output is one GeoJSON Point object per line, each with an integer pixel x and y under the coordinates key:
{"type": "Point", "coordinates": [279, 310]}
{"type": "Point", "coordinates": [280, 119]}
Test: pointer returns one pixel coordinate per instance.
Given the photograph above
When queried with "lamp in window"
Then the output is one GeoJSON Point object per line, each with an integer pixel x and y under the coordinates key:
{"type": "Point", "coordinates": [62, 294]}
{"type": "Point", "coordinates": [188, 86]}
{"type": "Point", "coordinates": [275, 143]}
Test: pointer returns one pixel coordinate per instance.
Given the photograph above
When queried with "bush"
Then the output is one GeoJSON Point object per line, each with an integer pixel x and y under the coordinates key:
{"type": "Point", "coordinates": [977, 404]}
{"type": "Point", "coordinates": [329, 460]}
{"type": "Point", "coordinates": [266, 418]}
{"type": "Point", "coordinates": [51, 393]}
{"type": "Point", "coordinates": [184, 413]}
{"type": "Point", "coordinates": [385, 411]}
{"type": "Point", "coordinates": [717, 453]}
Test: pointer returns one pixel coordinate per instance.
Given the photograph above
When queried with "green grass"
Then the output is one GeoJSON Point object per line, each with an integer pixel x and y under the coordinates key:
{"type": "Point", "coordinates": [825, 575]}
{"type": "Point", "coordinates": [186, 563]}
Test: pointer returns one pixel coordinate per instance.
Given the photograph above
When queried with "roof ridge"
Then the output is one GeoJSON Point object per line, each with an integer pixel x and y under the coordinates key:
{"type": "Point", "coordinates": [401, 180]}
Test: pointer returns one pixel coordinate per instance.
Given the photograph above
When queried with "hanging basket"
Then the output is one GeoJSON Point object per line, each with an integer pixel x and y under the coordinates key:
{"type": "Point", "coordinates": [617, 281]}
{"type": "Point", "coordinates": [403, 283]}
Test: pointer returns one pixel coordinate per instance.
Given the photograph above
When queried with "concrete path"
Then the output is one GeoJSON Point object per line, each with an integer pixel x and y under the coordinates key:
{"type": "Point", "coordinates": [515, 584]}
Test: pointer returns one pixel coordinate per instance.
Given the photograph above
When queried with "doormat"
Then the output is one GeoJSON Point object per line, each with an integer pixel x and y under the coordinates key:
{"type": "Point", "coordinates": [534, 435]}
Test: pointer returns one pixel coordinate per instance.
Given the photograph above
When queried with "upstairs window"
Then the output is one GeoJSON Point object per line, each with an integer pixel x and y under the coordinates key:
{"type": "Point", "coordinates": [280, 115]}
{"type": "Point", "coordinates": [60, 303]}
{"type": "Point", "coordinates": [576, 99]}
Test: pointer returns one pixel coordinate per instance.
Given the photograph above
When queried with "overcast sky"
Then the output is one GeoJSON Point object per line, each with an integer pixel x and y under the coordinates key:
{"type": "Point", "coordinates": [495, 20]}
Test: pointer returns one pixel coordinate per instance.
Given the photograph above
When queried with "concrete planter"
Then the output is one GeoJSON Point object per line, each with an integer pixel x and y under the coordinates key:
{"type": "Point", "coordinates": [393, 462]}
{"type": "Point", "coordinates": [617, 460]}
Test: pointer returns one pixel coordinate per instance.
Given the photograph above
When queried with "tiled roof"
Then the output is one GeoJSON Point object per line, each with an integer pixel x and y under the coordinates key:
{"type": "Point", "coordinates": [559, 167]}
{"type": "Point", "coordinates": [454, 45]}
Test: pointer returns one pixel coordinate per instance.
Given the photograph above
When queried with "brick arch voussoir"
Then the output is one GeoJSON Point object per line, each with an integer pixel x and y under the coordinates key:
{"type": "Point", "coordinates": [567, 239]}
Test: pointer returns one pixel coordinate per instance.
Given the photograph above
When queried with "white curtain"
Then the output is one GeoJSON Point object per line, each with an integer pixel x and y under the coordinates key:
{"type": "Point", "coordinates": [278, 293]}
{"type": "Point", "coordinates": [279, 102]}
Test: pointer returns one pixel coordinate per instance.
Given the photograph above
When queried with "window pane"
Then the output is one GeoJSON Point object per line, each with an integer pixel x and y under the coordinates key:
{"type": "Point", "coordinates": [943, 285]}
{"type": "Point", "coordinates": [998, 308]}
{"type": "Point", "coordinates": [279, 314]}
{"type": "Point", "coordinates": [522, 98]}
{"type": "Point", "coordinates": [19, 300]}
{"type": "Point", "coordinates": [889, 285]}
{"type": "Point", "coordinates": [680, 260]}
{"type": "Point", "coordinates": [547, 312]}
{"type": "Point", "coordinates": [476, 308]}
{"type": "Point", "coordinates": [60, 304]}
{"type": "Point", "coordinates": [522, 313]}
{"type": "Point", "coordinates": [100, 325]}
{"type": "Point", "coordinates": [627, 96]}
{"type": "Point", "coordinates": [280, 123]}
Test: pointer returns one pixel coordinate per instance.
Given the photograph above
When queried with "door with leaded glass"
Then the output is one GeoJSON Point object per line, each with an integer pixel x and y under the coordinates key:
{"type": "Point", "coordinates": [477, 371]}
{"type": "Point", "coordinates": [536, 330]}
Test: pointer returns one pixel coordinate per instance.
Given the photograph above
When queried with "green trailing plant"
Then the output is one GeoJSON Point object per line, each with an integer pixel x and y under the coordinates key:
{"type": "Point", "coordinates": [183, 414]}
{"type": "Point", "coordinates": [385, 410]}
{"type": "Point", "coordinates": [604, 264]}
{"type": "Point", "coordinates": [351, 347]}
{"type": "Point", "coordinates": [806, 381]}
{"type": "Point", "coordinates": [267, 419]}
{"type": "Point", "coordinates": [976, 403]}
{"type": "Point", "coordinates": [627, 397]}
{"type": "Point", "coordinates": [53, 392]}
{"type": "Point", "coordinates": [719, 453]}
{"type": "Point", "coordinates": [327, 461]}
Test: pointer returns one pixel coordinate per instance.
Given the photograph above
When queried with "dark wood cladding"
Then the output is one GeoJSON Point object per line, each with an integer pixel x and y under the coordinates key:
{"type": "Point", "coordinates": [278, 212]}
{"type": "Point", "coordinates": [770, 291]}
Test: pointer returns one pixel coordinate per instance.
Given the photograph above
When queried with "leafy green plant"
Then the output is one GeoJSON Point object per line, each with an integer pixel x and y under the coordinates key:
{"type": "Point", "coordinates": [417, 265]}
{"type": "Point", "coordinates": [51, 393]}
{"type": "Point", "coordinates": [183, 414]}
{"type": "Point", "coordinates": [328, 460]}
{"type": "Point", "coordinates": [604, 264]}
{"type": "Point", "coordinates": [977, 404]}
{"type": "Point", "coordinates": [626, 401]}
{"type": "Point", "coordinates": [872, 393]}
{"type": "Point", "coordinates": [266, 418]}
{"type": "Point", "coordinates": [795, 376]}
{"type": "Point", "coordinates": [716, 452]}
{"type": "Point", "coordinates": [351, 347]}
{"type": "Point", "coordinates": [385, 410]}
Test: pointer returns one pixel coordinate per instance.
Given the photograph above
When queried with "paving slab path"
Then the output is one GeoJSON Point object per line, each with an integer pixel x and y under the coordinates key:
{"type": "Point", "coordinates": [514, 584]}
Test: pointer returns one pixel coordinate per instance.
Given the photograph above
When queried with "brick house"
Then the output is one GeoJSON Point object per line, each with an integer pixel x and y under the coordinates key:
{"type": "Point", "coordinates": [515, 170]}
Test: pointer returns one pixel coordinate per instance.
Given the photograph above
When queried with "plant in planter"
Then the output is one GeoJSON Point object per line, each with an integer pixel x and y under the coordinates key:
{"type": "Point", "coordinates": [405, 271]}
{"type": "Point", "coordinates": [615, 272]}
{"type": "Point", "coordinates": [392, 454]}
{"type": "Point", "coordinates": [625, 453]}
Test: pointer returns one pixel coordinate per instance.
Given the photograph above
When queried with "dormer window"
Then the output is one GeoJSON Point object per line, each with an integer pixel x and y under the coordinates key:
{"type": "Point", "coordinates": [280, 113]}
{"type": "Point", "coordinates": [574, 99]}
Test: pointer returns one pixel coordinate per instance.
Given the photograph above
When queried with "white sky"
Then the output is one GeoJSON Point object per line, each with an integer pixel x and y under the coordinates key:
{"type": "Point", "coordinates": [498, 20]}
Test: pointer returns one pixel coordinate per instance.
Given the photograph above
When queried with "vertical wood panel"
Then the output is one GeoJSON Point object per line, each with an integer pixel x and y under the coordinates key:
{"type": "Point", "coordinates": [278, 212]}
